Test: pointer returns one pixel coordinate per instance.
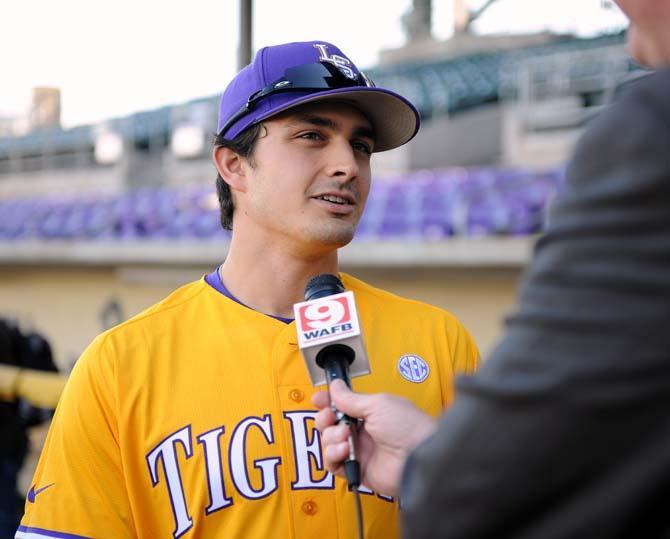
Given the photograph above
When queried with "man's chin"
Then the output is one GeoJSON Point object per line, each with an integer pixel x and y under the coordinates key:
{"type": "Point", "coordinates": [340, 240]}
{"type": "Point", "coordinates": [334, 238]}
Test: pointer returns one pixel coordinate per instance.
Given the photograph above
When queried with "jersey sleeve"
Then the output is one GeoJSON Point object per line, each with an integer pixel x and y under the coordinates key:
{"type": "Point", "coordinates": [458, 355]}
{"type": "Point", "coordinates": [465, 357]}
{"type": "Point", "coordinates": [78, 489]}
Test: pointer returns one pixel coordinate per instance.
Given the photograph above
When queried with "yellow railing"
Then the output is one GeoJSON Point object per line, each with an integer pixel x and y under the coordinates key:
{"type": "Point", "coordinates": [40, 388]}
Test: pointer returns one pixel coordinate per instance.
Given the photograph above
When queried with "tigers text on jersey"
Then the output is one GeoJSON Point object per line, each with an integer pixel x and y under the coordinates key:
{"type": "Point", "coordinates": [194, 419]}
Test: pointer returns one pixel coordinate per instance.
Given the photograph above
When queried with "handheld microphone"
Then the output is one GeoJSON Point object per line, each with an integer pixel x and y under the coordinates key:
{"type": "Point", "coordinates": [329, 337]}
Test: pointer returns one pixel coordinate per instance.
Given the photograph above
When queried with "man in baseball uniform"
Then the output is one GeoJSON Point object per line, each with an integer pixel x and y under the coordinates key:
{"type": "Point", "coordinates": [193, 419]}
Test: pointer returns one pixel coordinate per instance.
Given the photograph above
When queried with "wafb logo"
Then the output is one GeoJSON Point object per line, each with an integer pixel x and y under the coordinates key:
{"type": "Point", "coordinates": [324, 318]}
{"type": "Point", "coordinates": [413, 368]}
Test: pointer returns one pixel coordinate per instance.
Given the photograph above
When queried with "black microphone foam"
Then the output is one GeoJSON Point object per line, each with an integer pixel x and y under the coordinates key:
{"type": "Point", "coordinates": [323, 285]}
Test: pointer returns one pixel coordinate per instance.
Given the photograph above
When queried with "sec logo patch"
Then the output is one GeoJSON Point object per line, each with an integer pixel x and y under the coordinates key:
{"type": "Point", "coordinates": [413, 368]}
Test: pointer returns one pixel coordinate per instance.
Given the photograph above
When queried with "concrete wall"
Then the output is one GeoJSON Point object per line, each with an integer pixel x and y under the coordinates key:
{"type": "Point", "coordinates": [523, 144]}
{"type": "Point", "coordinates": [95, 180]}
{"type": "Point", "coordinates": [466, 139]}
{"type": "Point", "coordinates": [67, 305]}
{"type": "Point", "coordinates": [469, 138]}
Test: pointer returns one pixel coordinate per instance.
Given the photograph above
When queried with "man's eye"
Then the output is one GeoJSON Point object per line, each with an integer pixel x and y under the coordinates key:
{"type": "Point", "coordinates": [362, 147]}
{"type": "Point", "coordinates": [311, 136]}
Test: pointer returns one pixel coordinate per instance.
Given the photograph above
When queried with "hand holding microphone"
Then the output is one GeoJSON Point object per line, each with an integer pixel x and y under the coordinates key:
{"type": "Point", "coordinates": [330, 339]}
{"type": "Point", "coordinates": [392, 427]}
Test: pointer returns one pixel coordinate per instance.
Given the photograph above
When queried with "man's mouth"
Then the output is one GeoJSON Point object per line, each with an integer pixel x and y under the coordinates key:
{"type": "Point", "coordinates": [334, 199]}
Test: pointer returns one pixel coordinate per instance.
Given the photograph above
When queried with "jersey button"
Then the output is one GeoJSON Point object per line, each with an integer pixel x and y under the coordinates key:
{"type": "Point", "coordinates": [310, 508]}
{"type": "Point", "coordinates": [296, 395]}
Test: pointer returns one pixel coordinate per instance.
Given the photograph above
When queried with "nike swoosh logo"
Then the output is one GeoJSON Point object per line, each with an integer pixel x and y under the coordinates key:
{"type": "Point", "coordinates": [32, 493]}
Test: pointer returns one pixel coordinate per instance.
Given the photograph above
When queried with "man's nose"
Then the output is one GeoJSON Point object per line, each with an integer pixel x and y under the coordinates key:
{"type": "Point", "coordinates": [342, 162]}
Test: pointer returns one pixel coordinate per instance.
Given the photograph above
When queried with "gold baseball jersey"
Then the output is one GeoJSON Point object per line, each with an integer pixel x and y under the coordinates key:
{"type": "Point", "coordinates": [193, 419]}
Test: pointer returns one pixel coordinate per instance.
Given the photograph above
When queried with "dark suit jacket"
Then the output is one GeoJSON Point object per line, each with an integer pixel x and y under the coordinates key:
{"type": "Point", "coordinates": [565, 431]}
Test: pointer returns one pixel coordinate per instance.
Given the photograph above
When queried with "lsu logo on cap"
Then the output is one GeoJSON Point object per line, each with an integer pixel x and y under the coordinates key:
{"type": "Point", "coordinates": [411, 367]}
{"type": "Point", "coordinates": [324, 318]}
{"type": "Point", "coordinates": [342, 63]}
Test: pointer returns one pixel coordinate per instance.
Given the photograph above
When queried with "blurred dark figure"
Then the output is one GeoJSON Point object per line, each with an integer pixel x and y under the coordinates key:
{"type": "Point", "coordinates": [29, 351]}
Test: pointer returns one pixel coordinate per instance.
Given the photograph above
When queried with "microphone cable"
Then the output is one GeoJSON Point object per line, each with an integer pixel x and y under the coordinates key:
{"type": "Point", "coordinates": [359, 514]}
{"type": "Point", "coordinates": [352, 471]}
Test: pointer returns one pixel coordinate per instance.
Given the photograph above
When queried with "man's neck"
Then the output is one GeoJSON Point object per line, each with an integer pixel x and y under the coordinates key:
{"type": "Point", "coordinates": [269, 280]}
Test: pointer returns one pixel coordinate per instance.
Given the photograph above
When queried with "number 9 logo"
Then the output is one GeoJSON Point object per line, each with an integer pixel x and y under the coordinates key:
{"type": "Point", "coordinates": [324, 314]}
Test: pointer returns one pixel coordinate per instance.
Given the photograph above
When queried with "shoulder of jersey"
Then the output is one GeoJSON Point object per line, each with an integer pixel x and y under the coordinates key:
{"type": "Point", "coordinates": [409, 307]}
{"type": "Point", "coordinates": [170, 305]}
{"type": "Point", "coordinates": [127, 341]}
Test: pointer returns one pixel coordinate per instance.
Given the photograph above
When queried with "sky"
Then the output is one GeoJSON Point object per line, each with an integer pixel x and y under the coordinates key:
{"type": "Point", "coordinates": [114, 58]}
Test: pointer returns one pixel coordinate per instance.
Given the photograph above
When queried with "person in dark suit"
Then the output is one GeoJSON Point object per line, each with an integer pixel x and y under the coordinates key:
{"type": "Point", "coordinates": [565, 430]}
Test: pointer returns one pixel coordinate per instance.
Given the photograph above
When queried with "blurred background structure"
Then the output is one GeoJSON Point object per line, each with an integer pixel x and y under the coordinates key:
{"type": "Point", "coordinates": [100, 220]}
{"type": "Point", "coordinates": [120, 211]}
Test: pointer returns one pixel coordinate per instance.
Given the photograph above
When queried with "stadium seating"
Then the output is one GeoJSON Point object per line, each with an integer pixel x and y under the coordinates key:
{"type": "Point", "coordinates": [458, 84]}
{"type": "Point", "coordinates": [436, 87]}
{"type": "Point", "coordinates": [427, 204]}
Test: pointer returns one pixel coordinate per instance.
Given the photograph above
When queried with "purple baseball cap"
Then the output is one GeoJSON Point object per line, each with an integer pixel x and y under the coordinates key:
{"type": "Point", "coordinates": [284, 76]}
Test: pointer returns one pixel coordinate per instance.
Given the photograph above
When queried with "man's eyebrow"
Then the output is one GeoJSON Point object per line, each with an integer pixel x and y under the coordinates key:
{"type": "Point", "coordinates": [365, 132]}
{"type": "Point", "coordinates": [320, 121]}
{"type": "Point", "coordinates": [312, 119]}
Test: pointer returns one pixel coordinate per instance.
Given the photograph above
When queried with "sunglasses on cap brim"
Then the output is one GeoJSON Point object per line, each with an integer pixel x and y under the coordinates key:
{"type": "Point", "coordinates": [303, 78]}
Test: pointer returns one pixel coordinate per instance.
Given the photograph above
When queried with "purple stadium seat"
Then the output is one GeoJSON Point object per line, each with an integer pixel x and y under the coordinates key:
{"type": "Point", "coordinates": [426, 204]}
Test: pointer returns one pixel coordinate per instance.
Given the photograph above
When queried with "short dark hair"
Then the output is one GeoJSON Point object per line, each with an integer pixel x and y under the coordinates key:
{"type": "Point", "coordinates": [244, 145]}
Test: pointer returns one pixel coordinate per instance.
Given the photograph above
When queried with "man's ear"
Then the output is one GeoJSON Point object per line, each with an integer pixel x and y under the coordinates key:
{"type": "Point", "coordinates": [231, 167]}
